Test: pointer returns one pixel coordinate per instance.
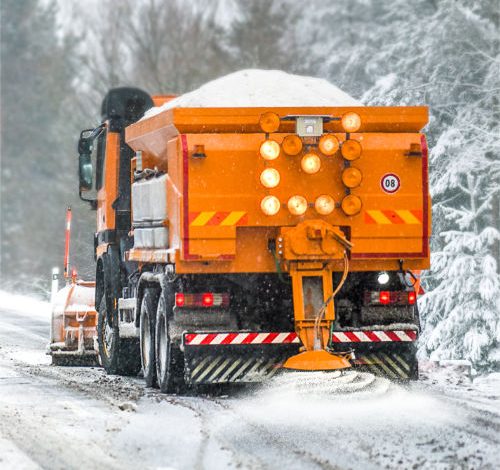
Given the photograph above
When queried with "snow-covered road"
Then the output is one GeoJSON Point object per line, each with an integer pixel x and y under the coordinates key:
{"type": "Point", "coordinates": [80, 418]}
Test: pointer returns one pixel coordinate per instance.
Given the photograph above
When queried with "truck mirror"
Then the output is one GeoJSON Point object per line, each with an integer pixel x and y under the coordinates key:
{"type": "Point", "coordinates": [85, 145]}
{"type": "Point", "coordinates": [85, 171]}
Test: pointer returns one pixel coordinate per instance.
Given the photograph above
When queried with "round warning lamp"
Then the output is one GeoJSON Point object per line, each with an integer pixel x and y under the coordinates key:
{"type": "Point", "coordinates": [351, 149]}
{"type": "Point", "coordinates": [269, 150]}
{"type": "Point", "coordinates": [292, 144]}
{"type": "Point", "coordinates": [328, 144]}
{"type": "Point", "coordinates": [324, 204]}
{"type": "Point", "coordinates": [383, 277]}
{"type": "Point", "coordinates": [270, 178]}
{"type": "Point", "coordinates": [269, 122]}
{"type": "Point", "coordinates": [351, 205]}
{"type": "Point", "coordinates": [310, 163]}
{"type": "Point", "coordinates": [351, 122]}
{"type": "Point", "coordinates": [297, 205]}
{"type": "Point", "coordinates": [351, 177]}
{"type": "Point", "coordinates": [270, 205]}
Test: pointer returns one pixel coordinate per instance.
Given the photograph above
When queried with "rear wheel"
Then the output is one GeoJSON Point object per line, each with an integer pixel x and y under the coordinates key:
{"type": "Point", "coordinates": [147, 336]}
{"type": "Point", "coordinates": [169, 360]}
{"type": "Point", "coordinates": [118, 356]}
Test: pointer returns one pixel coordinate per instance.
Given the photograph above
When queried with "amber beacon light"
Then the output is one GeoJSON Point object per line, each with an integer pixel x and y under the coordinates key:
{"type": "Point", "coordinates": [351, 122]}
{"type": "Point", "coordinates": [324, 204]}
{"type": "Point", "coordinates": [292, 144]}
{"type": "Point", "coordinates": [270, 205]}
{"type": "Point", "coordinates": [269, 150]}
{"type": "Point", "coordinates": [351, 177]}
{"type": "Point", "coordinates": [328, 144]}
{"type": "Point", "coordinates": [270, 178]}
{"type": "Point", "coordinates": [310, 163]}
{"type": "Point", "coordinates": [351, 205]}
{"type": "Point", "coordinates": [351, 150]}
{"type": "Point", "coordinates": [297, 205]}
{"type": "Point", "coordinates": [269, 122]}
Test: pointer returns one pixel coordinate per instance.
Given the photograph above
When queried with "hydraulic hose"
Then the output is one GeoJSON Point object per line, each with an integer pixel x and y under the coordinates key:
{"type": "Point", "coordinates": [321, 313]}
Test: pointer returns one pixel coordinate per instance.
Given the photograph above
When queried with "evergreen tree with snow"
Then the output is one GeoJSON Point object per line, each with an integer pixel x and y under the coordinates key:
{"type": "Point", "coordinates": [449, 59]}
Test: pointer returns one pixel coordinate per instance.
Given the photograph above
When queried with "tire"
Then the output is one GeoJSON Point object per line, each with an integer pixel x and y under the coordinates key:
{"type": "Point", "coordinates": [169, 360]}
{"type": "Point", "coordinates": [147, 336]}
{"type": "Point", "coordinates": [118, 356]}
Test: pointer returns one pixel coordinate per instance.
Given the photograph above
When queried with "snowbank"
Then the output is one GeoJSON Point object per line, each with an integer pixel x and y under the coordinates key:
{"type": "Point", "coordinates": [261, 88]}
{"type": "Point", "coordinates": [24, 305]}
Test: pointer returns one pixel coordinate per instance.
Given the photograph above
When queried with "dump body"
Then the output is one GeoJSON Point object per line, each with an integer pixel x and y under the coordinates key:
{"type": "Point", "coordinates": [215, 220]}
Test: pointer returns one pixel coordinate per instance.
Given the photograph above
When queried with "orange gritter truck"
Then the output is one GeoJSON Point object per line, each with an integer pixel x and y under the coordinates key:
{"type": "Point", "coordinates": [234, 242]}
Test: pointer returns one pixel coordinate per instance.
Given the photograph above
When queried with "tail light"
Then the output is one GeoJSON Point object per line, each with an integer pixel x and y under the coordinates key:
{"type": "Point", "coordinates": [204, 300]}
{"type": "Point", "coordinates": [386, 297]}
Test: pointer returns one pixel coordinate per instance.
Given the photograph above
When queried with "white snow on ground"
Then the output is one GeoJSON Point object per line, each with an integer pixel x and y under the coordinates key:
{"type": "Point", "coordinates": [261, 88]}
{"type": "Point", "coordinates": [61, 417]}
{"type": "Point", "coordinates": [489, 384]}
{"type": "Point", "coordinates": [30, 311]}
{"type": "Point", "coordinates": [24, 305]}
{"type": "Point", "coordinates": [13, 457]}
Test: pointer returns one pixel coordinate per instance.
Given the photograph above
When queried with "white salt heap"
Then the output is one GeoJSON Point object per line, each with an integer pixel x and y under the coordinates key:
{"type": "Point", "coordinates": [261, 88]}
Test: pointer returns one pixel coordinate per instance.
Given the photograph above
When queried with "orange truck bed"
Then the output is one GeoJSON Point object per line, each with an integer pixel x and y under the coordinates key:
{"type": "Point", "coordinates": [214, 191]}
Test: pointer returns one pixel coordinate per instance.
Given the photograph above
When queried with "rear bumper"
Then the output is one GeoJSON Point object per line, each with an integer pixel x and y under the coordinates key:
{"type": "Point", "coordinates": [246, 357]}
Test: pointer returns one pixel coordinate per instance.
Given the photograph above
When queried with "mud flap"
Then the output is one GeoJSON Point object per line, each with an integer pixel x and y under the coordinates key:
{"type": "Point", "coordinates": [395, 361]}
{"type": "Point", "coordinates": [234, 363]}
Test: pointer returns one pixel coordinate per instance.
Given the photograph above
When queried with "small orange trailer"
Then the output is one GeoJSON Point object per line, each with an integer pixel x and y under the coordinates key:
{"type": "Point", "coordinates": [233, 242]}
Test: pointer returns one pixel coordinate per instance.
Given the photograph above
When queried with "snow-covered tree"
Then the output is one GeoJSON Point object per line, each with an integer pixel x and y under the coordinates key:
{"type": "Point", "coordinates": [449, 59]}
{"type": "Point", "coordinates": [37, 68]}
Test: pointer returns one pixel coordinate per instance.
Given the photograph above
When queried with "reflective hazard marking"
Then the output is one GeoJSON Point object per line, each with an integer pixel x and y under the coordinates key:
{"type": "Point", "coordinates": [390, 183]}
{"type": "Point", "coordinates": [374, 336]}
{"type": "Point", "coordinates": [228, 219]}
{"type": "Point", "coordinates": [395, 216]}
{"type": "Point", "coordinates": [203, 339]}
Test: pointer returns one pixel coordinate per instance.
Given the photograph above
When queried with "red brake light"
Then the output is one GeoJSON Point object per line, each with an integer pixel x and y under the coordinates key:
{"type": "Point", "coordinates": [412, 298]}
{"type": "Point", "coordinates": [384, 297]}
{"type": "Point", "coordinates": [207, 299]}
{"type": "Point", "coordinates": [179, 300]}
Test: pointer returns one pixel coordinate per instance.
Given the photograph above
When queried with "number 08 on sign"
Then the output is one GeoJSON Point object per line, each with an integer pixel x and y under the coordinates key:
{"type": "Point", "coordinates": [390, 183]}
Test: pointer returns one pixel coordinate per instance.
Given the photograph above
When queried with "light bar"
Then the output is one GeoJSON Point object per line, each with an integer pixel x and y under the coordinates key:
{"type": "Point", "coordinates": [386, 297]}
{"type": "Point", "coordinates": [203, 300]}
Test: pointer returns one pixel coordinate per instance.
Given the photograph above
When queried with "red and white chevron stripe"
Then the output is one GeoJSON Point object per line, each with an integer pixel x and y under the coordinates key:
{"type": "Point", "coordinates": [201, 339]}
{"type": "Point", "coordinates": [365, 336]}
{"type": "Point", "coordinates": [374, 336]}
